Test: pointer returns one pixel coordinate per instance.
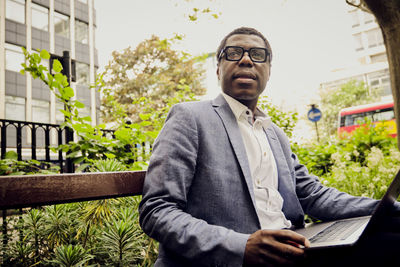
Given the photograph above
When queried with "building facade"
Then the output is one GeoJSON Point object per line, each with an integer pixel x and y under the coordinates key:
{"type": "Point", "coordinates": [57, 26]}
{"type": "Point", "coordinates": [373, 68]}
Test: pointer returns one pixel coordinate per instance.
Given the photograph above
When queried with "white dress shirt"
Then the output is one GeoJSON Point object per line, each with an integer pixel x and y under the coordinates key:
{"type": "Point", "coordinates": [262, 164]}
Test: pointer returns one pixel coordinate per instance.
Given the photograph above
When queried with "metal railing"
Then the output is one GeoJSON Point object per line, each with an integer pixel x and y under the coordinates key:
{"type": "Point", "coordinates": [33, 140]}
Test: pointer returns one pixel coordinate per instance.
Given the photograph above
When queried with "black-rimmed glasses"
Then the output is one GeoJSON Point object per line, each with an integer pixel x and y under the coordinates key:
{"type": "Point", "coordinates": [235, 53]}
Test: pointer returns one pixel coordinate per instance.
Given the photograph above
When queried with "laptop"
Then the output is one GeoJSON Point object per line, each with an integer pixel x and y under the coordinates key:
{"type": "Point", "coordinates": [347, 232]}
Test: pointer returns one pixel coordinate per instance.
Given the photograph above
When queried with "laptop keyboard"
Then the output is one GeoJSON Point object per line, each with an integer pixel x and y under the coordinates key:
{"type": "Point", "coordinates": [338, 231]}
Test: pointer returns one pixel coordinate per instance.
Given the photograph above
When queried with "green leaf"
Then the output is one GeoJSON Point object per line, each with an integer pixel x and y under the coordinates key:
{"type": "Point", "coordinates": [66, 113]}
{"type": "Point", "coordinates": [35, 161]}
{"type": "Point", "coordinates": [109, 155]}
{"type": "Point", "coordinates": [68, 92]}
{"type": "Point", "coordinates": [79, 104]}
{"type": "Point", "coordinates": [57, 67]}
{"type": "Point", "coordinates": [87, 118]}
{"type": "Point", "coordinates": [11, 155]}
{"type": "Point", "coordinates": [82, 167]}
{"type": "Point", "coordinates": [144, 117]}
{"type": "Point", "coordinates": [145, 123]}
{"type": "Point", "coordinates": [44, 54]}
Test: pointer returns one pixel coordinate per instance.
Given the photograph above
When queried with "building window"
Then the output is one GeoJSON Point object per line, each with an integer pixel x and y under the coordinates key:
{"type": "Point", "coordinates": [374, 38]}
{"type": "Point", "coordinates": [358, 41]}
{"type": "Point", "coordinates": [40, 111]}
{"type": "Point", "coordinates": [82, 73]}
{"type": "Point", "coordinates": [61, 25]}
{"type": "Point", "coordinates": [14, 57]}
{"type": "Point", "coordinates": [40, 17]}
{"type": "Point", "coordinates": [381, 81]}
{"type": "Point", "coordinates": [15, 108]}
{"type": "Point", "coordinates": [81, 32]}
{"type": "Point", "coordinates": [368, 17]}
{"type": "Point", "coordinates": [15, 10]}
{"type": "Point", "coordinates": [355, 18]}
{"type": "Point", "coordinates": [379, 58]}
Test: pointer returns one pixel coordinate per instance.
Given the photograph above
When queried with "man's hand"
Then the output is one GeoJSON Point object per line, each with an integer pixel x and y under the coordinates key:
{"type": "Point", "coordinates": [274, 247]}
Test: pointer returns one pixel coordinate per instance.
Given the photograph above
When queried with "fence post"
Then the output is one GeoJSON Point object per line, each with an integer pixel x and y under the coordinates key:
{"type": "Point", "coordinates": [3, 140]}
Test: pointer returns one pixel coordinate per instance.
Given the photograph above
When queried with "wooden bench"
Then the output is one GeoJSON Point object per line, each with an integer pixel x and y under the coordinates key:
{"type": "Point", "coordinates": [36, 190]}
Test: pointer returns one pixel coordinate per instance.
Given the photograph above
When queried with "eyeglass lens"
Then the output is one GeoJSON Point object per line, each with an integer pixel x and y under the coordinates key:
{"type": "Point", "coordinates": [236, 53]}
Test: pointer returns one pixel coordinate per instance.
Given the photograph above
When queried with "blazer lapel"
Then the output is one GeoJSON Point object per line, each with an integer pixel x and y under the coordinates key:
{"type": "Point", "coordinates": [228, 119]}
{"type": "Point", "coordinates": [286, 186]}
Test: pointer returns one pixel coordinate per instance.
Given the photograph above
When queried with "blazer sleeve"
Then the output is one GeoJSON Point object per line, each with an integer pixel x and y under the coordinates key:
{"type": "Point", "coordinates": [168, 182]}
{"type": "Point", "coordinates": [317, 200]}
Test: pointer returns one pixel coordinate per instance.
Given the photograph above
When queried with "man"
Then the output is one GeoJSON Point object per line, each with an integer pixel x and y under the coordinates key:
{"type": "Point", "coordinates": [223, 186]}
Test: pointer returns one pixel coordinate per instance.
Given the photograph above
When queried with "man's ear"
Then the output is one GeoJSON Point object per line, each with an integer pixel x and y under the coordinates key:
{"type": "Point", "coordinates": [269, 71]}
{"type": "Point", "coordinates": [218, 72]}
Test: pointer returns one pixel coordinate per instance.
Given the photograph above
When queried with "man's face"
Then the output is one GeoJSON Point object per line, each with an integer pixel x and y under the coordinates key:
{"type": "Point", "coordinates": [244, 80]}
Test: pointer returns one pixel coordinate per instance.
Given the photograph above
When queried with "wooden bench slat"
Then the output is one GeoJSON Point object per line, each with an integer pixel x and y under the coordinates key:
{"type": "Point", "coordinates": [36, 190]}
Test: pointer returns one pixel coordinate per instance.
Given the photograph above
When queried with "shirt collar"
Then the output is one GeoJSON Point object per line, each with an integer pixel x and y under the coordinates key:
{"type": "Point", "coordinates": [239, 110]}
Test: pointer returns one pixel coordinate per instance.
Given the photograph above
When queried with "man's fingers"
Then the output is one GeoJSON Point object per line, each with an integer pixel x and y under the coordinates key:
{"type": "Point", "coordinates": [288, 250]}
{"type": "Point", "coordinates": [293, 238]}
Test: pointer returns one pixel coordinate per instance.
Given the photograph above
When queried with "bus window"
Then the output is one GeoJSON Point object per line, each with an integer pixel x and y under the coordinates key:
{"type": "Point", "coordinates": [384, 115]}
{"type": "Point", "coordinates": [354, 119]}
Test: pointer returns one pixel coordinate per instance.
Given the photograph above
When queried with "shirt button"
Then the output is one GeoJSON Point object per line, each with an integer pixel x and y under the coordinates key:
{"type": "Point", "coordinates": [265, 154]}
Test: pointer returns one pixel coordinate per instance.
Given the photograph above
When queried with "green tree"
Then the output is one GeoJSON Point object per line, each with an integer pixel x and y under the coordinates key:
{"type": "Point", "coordinates": [349, 94]}
{"type": "Point", "coordinates": [285, 120]}
{"type": "Point", "coordinates": [153, 70]}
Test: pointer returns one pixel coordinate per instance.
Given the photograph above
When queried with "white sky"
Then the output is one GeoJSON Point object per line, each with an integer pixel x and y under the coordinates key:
{"type": "Point", "coordinates": [309, 38]}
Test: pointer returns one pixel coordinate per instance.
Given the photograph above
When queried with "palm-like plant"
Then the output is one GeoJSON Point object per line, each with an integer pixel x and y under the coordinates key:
{"type": "Point", "coordinates": [107, 165]}
{"type": "Point", "coordinates": [98, 211]}
{"type": "Point", "coordinates": [71, 256]}
{"type": "Point", "coordinates": [20, 253]}
{"type": "Point", "coordinates": [121, 243]}
{"type": "Point", "coordinates": [58, 228]}
{"type": "Point", "coordinates": [35, 225]}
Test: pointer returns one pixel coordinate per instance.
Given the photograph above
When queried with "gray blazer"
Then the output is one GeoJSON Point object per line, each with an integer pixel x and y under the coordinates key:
{"type": "Point", "coordinates": [198, 199]}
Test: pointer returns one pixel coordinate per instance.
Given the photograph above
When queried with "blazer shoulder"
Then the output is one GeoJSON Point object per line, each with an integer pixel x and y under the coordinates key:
{"type": "Point", "coordinates": [193, 107]}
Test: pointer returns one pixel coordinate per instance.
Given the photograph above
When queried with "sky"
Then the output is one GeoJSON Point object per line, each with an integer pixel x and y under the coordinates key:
{"type": "Point", "coordinates": [309, 38]}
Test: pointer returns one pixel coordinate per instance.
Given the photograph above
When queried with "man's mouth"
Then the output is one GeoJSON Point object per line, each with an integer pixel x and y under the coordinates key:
{"type": "Point", "coordinates": [244, 77]}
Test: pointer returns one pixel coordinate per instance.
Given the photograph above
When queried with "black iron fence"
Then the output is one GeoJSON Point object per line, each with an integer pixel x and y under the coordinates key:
{"type": "Point", "coordinates": [33, 140]}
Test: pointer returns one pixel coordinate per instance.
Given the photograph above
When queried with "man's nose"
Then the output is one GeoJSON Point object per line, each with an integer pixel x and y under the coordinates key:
{"type": "Point", "coordinates": [246, 60]}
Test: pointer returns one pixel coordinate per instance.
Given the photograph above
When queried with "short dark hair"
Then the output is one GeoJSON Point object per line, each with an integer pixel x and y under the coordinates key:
{"type": "Point", "coordinates": [244, 30]}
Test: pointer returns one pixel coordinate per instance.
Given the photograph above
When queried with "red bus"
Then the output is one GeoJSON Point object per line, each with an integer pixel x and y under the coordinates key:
{"type": "Point", "coordinates": [381, 113]}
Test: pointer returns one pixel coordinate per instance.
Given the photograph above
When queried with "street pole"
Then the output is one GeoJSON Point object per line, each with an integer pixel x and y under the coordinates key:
{"type": "Point", "coordinates": [314, 115]}
{"type": "Point", "coordinates": [66, 63]}
{"type": "Point", "coordinates": [69, 133]}
{"type": "Point", "coordinates": [316, 128]}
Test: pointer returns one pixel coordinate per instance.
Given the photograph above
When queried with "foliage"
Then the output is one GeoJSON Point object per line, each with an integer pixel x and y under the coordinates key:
{"type": "Point", "coordinates": [115, 241]}
{"type": "Point", "coordinates": [153, 71]}
{"type": "Point", "coordinates": [71, 256]}
{"type": "Point", "coordinates": [10, 165]}
{"type": "Point", "coordinates": [316, 156]}
{"type": "Point", "coordinates": [362, 165]}
{"type": "Point", "coordinates": [349, 94]}
{"type": "Point", "coordinates": [93, 142]}
{"type": "Point", "coordinates": [198, 9]}
{"type": "Point", "coordinates": [285, 120]}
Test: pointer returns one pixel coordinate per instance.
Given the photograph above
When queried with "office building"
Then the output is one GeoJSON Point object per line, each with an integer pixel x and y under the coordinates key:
{"type": "Point", "coordinates": [57, 26]}
{"type": "Point", "coordinates": [373, 67]}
